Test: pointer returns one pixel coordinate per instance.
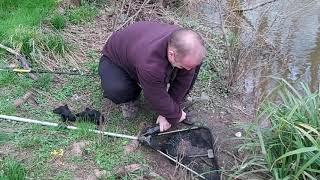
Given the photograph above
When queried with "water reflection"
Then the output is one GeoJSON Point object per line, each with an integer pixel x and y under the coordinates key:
{"type": "Point", "coordinates": [293, 28]}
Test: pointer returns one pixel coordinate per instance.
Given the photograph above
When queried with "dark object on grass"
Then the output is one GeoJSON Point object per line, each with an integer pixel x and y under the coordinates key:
{"type": "Point", "coordinates": [65, 113]}
{"type": "Point", "coordinates": [91, 115]}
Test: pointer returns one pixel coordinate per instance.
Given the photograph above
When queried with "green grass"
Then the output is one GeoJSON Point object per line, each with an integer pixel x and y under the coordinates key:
{"type": "Point", "coordinates": [4, 137]}
{"type": "Point", "coordinates": [34, 43]}
{"type": "Point", "coordinates": [15, 13]}
{"type": "Point", "coordinates": [10, 169]}
{"type": "Point", "coordinates": [41, 141]}
{"type": "Point", "coordinates": [63, 175]}
{"type": "Point", "coordinates": [82, 14]}
{"type": "Point", "coordinates": [290, 149]}
{"type": "Point", "coordinates": [14, 85]}
{"type": "Point", "coordinates": [58, 21]}
{"type": "Point", "coordinates": [56, 43]}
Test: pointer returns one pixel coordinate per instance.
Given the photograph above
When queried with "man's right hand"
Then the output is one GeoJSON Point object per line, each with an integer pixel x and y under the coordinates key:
{"type": "Point", "coordinates": [163, 123]}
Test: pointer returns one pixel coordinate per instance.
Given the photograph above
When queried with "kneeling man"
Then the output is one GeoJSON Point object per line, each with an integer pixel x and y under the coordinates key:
{"type": "Point", "coordinates": [160, 59]}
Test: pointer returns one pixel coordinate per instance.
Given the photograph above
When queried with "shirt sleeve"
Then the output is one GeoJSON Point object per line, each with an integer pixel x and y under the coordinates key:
{"type": "Point", "coordinates": [155, 90]}
{"type": "Point", "coordinates": [181, 84]}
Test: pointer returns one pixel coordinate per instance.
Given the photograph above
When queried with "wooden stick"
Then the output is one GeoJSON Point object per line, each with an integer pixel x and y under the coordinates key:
{"type": "Point", "coordinates": [21, 58]}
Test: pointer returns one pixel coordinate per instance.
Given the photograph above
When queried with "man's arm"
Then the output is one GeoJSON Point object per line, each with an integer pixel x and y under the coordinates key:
{"type": "Point", "coordinates": [181, 84]}
{"type": "Point", "coordinates": [154, 89]}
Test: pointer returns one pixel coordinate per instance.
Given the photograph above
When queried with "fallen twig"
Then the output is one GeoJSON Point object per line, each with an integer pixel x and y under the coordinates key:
{"type": "Point", "coordinates": [133, 16]}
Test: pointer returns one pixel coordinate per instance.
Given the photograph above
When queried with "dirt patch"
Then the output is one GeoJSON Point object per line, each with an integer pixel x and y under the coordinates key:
{"type": "Point", "coordinates": [159, 164]}
{"type": "Point", "coordinates": [76, 148]}
{"type": "Point", "coordinates": [8, 149]}
{"type": "Point", "coordinates": [93, 35]}
{"type": "Point", "coordinates": [80, 171]}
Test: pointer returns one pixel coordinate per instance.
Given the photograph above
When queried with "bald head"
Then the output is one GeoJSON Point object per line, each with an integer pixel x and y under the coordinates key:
{"type": "Point", "coordinates": [187, 42]}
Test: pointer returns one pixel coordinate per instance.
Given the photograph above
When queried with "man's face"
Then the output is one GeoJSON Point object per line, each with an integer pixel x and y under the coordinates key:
{"type": "Point", "coordinates": [187, 62]}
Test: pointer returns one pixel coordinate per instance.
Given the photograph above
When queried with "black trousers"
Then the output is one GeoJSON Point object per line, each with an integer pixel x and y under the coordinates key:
{"type": "Point", "coordinates": [118, 86]}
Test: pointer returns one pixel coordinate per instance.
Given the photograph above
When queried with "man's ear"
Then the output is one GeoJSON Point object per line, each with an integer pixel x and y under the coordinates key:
{"type": "Point", "coordinates": [171, 54]}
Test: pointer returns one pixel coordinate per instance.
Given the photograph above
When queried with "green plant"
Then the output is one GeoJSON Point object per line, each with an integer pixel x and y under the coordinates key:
{"type": "Point", "coordinates": [4, 137]}
{"type": "Point", "coordinates": [55, 43]}
{"type": "Point", "coordinates": [82, 14]}
{"type": "Point", "coordinates": [290, 148]}
{"type": "Point", "coordinates": [58, 21]}
{"type": "Point", "coordinates": [11, 170]}
{"type": "Point", "coordinates": [84, 130]}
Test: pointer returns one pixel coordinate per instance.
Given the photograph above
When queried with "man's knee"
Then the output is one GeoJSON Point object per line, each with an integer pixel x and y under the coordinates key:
{"type": "Point", "coordinates": [116, 92]}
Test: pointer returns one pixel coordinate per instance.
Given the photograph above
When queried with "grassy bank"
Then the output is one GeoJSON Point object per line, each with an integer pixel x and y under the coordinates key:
{"type": "Point", "coordinates": [290, 148]}
{"type": "Point", "coordinates": [27, 151]}
{"type": "Point", "coordinates": [15, 13]}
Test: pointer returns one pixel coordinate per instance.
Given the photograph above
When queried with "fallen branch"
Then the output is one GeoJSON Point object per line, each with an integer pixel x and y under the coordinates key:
{"type": "Point", "coordinates": [21, 58]}
{"type": "Point", "coordinates": [254, 7]}
{"type": "Point", "coordinates": [18, 102]}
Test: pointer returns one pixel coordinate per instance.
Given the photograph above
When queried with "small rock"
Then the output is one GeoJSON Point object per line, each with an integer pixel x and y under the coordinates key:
{"type": "Point", "coordinates": [126, 169]}
{"type": "Point", "coordinates": [204, 97]}
{"type": "Point", "coordinates": [238, 134]}
{"type": "Point", "coordinates": [99, 173]}
{"type": "Point", "coordinates": [75, 97]}
{"type": "Point", "coordinates": [77, 148]}
{"type": "Point", "coordinates": [189, 98]}
{"type": "Point", "coordinates": [264, 123]}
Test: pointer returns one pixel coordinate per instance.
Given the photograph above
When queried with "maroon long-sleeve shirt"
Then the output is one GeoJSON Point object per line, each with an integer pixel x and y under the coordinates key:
{"type": "Point", "coordinates": [141, 50]}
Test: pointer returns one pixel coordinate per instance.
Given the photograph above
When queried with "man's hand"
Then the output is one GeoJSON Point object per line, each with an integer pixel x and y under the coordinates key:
{"type": "Point", "coordinates": [163, 123]}
{"type": "Point", "coordinates": [183, 116]}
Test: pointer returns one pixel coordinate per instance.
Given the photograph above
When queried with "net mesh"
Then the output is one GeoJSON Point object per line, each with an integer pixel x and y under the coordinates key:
{"type": "Point", "coordinates": [193, 148]}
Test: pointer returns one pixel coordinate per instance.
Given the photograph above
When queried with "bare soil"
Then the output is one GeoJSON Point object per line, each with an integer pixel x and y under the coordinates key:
{"type": "Point", "coordinates": [79, 171]}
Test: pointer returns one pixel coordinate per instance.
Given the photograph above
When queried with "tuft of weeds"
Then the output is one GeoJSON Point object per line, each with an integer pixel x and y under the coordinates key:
{"type": "Point", "coordinates": [82, 14]}
{"type": "Point", "coordinates": [56, 43]}
{"type": "Point", "coordinates": [290, 148]}
{"type": "Point", "coordinates": [11, 169]}
{"type": "Point", "coordinates": [58, 21]}
{"type": "Point", "coordinates": [83, 131]}
{"type": "Point", "coordinates": [42, 49]}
